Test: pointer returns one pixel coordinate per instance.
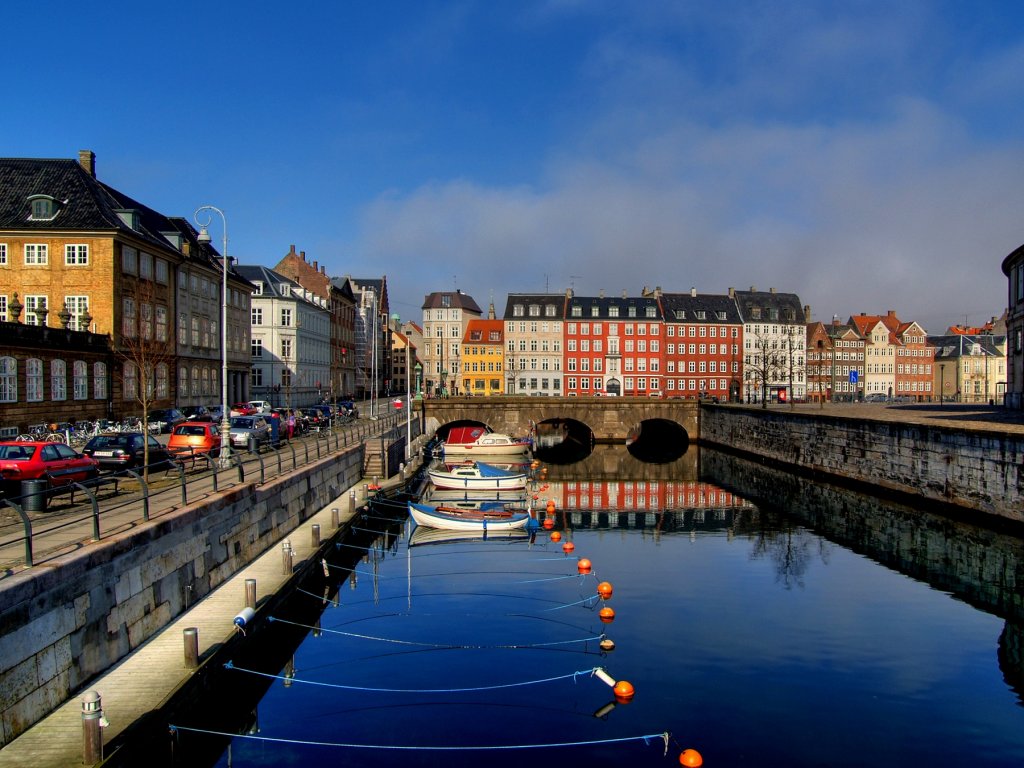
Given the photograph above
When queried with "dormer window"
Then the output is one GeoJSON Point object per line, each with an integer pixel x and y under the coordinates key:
{"type": "Point", "coordinates": [286, 290]}
{"type": "Point", "coordinates": [44, 208]}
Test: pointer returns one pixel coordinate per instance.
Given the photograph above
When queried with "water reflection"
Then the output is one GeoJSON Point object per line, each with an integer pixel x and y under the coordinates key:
{"type": "Point", "coordinates": [981, 566]}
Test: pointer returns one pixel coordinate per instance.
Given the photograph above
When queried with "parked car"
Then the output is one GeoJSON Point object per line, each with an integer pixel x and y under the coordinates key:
{"type": "Point", "coordinates": [197, 413]}
{"type": "Point", "coordinates": [261, 406]}
{"type": "Point", "coordinates": [125, 450]}
{"type": "Point", "coordinates": [194, 437]}
{"type": "Point", "coordinates": [167, 418]}
{"type": "Point", "coordinates": [58, 463]}
{"type": "Point", "coordinates": [242, 409]}
{"type": "Point", "coordinates": [245, 427]}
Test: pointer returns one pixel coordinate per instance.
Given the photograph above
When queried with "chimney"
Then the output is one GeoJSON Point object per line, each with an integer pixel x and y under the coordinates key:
{"type": "Point", "coordinates": [693, 292]}
{"type": "Point", "coordinates": [291, 250]}
{"type": "Point", "coordinates": [316, 267]}
{"type": "Point", "coordinates": [600, 294]}
{"type": "Point", "coordinates": [623, 293]}
{"type": "Point", "coordinates": [771, 290]}
{"type": "Point", "coordinates": [87, 159]}
{"type": "Point", "coordinates": [753, 289]}
{"type": "Point", "coordinates": [732, 293]}
{"type": "Point", "coordinates": [807, 313]}
{"type": "Point", "coordinates": [303, 255]}
{"type": "Point", "coordinates": [323, 270]}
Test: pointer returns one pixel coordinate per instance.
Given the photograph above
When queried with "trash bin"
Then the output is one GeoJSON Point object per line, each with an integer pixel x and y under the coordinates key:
{"type": "Point", "coordinates": [33, 495]}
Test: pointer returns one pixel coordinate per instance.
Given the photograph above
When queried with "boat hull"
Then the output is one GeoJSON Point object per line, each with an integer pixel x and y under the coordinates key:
{"type": "Point", "coordinates": [467, 520]}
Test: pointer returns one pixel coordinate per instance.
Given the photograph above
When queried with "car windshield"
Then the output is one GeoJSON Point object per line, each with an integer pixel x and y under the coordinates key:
{"type": "Point", "coordinates": [242, 421]}
{"type": "Point", "coordinates": [17, 452]}
{"type": "Point", "coordinates": [192, 430]}
{"type": "Point", "coordinates": [105, 442]}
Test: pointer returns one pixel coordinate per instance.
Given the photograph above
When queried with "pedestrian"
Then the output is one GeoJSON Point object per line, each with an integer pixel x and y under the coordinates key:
{"type": "Point", "coordinates": [291, 424]}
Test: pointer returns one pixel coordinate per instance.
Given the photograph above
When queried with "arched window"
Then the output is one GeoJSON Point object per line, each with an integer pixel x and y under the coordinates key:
{"type": "Point", "coordinates": [131, 381]}
{"type": "Point", "coordinates": [58, 380]}
{"type": "Point", "coordinates": [162, 381]}
{"type": "Point", "coordinates": [183, 388]}
{"type": "Point", "coordinates": [8, 380]}
{"type": "Point", "coordinates": [80, 373]}
{"type": "Point", "coordinates": [34, 380]}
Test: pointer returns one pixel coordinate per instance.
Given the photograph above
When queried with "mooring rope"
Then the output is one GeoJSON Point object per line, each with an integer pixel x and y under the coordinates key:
{"type": "Point", "coordinates": [663, 737]}
{"type": "Point", "coordinates": [573, 676]}
{"type": "Point", "coordinates": [448, 646]}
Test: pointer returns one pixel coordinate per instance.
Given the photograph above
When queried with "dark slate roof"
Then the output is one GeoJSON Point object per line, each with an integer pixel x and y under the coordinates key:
{"type": "Point", "coordinates": [710, 304]}
{"type": "Point", "coordinates": [539, 299]}
{"type": "Point", "coordinates": [604, 303]}
{"type": "Point", "coordinates": [959, 345]}
{"type": "Point", "coordinates": [272, 282]}
{"type": "Point", "coordinates": [787, 305]}
{"type": "Point", "coordinates": [456, 299]}
{"type": "Point", "coordinates": [83, 202]}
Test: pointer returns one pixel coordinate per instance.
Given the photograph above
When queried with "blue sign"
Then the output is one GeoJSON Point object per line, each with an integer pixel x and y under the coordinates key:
{"type": "Point", "coordinates": [853, 376]}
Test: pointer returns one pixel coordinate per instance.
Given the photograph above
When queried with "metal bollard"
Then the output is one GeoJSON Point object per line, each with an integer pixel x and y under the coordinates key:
{"type": "Point", "coordinates": [335, 517]}
{"type": "Point", "coordinates": [286, 557]}
{"type": "Point", "coordinates": [352, 502]}
{"type": "Point", "coordinates": [315, 529]}
{"type": "Point", "coordinates": [191, 637]}
{"type": "Point", "coordinates": [250, 593]}
{"type": "Point", "coordinates": [92, 722]}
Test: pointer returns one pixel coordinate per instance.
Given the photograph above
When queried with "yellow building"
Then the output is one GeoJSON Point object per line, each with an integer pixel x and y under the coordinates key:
{"type": "Point", "coordinates": [483, 351]}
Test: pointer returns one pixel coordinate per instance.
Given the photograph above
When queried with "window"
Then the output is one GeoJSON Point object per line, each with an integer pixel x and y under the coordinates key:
{"type": "Point", "coordinates": [36, 254]}
{"type": "Point", "coordinates": [3, 254]}
{"type": "Point", "coordinates": [33, 307]}
{"type": "Point", "coordinates": [256, 348]}
{"type": "Point", "coordinates": [77, 306]}
{"type": "Point", "coordinates": [8, 380]}
{"type": "Point", "coordinates": [163, 387]}
{"type": "Point", "coordinates": [256, 376]}
{"type": "Point", "coordinates": [130, 388]}
{"type": "Point", "coordinates": [130, 261]}
{"type": "Point", "coordinates": [128, 322]}
{"type": "Point", "coordinates": [146, 321]}
{"type": "Point", "coordinates": [161, 271]}
{"type": "Point", "coordinates": [286, 349]}
{"type": "Point", "coordinates": [80, 380]}
{"type": "Point", "coordinates": [146, 265]}
{"type": "Point", "coordinates": [161, 323]}
{"type": "Point", "coordinates": [99, 381]}
{"type": "Point", "coordinates": [43, 208]}
{"type": "Point", "coordinates": [196, 332]}
{"type": "Point", "coordinates": [286, 317]}
{"type": "Point", "coordinates": [34, 380]}
{"type": "Point", "coordinates": [76, 255]}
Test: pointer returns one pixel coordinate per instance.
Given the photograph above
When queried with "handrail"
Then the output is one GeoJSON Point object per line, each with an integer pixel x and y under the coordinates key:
{"type": "Point", "coordinates": [32, 530]}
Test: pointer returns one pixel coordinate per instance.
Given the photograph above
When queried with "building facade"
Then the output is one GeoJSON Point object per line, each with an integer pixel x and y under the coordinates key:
{"type": "Point", "coordinates": [774, 345]}
{"type": "Point", "coordinates": [483, 354]}
{"type": "Point", "coordinates": [703, 345]}
{"type": "Point", "coordinates": [446, 314]}
{"type": "Point", "coordinates": [533, 343]}
{"type": "Point", "coordinates": [1013, 268]}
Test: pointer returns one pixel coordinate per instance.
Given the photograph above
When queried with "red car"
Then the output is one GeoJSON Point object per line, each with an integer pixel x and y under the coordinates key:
{"type": "Point", "coordinates": [57, 463]}
{"type": "Point", "coordinates": [243, 409]}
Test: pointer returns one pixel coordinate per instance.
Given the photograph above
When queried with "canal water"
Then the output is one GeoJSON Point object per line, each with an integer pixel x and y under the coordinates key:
{"type": "Point", "coordinates": [760, 618]}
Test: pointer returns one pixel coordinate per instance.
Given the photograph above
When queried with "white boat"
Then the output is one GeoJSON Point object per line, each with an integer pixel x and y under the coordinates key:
{"type": "Point", "coordinates": [458, 519]}
{"type": "Point", "coordinates": [423, 535]}
{"type": "Point", "coordinates": [472, 441]}
{"type": "Point", "coordinates": [477, 476]}
{"type": "Point", "coordinates": [437, 496]}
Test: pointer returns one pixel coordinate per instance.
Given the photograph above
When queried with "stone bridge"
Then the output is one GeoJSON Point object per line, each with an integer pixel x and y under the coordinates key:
{"type": "Point", "coordinates": [611, 419]}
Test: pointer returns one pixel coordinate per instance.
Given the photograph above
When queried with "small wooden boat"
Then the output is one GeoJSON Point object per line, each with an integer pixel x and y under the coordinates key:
{"type": "Point", "coordinates": [477, 476]}
{"type": "Point", "coordinates": [424, 536]}
{"type": "Point", "coordinates": [461, 519]}
{"type": "Point", "coordinates": [473, 441]}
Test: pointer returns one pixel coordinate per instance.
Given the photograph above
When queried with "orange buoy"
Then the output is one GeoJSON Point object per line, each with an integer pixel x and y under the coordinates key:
{"type": "Point", "coordinates": [607, 615]}
{"type": "Point", "coordinates": [604, 589]}
{"type": "Point", "coordinates": [690, 758]}
{"type": "Point", "coordinates": [551, 504]}
{"type": "Point", "coordinates": [607, 644]}
{"type": "Point", "coordinates": [556, 536]}
{"type": "Point", "coordinates": [583, 566]}
{"type": "Point", "coordinates": [568, 547]}
{"type": "Point", "coordinates": [623, 690]}
{"type": "Point", "coordinates": [535, 497]}
{"type": "Point", "coordinates": [548, 523]}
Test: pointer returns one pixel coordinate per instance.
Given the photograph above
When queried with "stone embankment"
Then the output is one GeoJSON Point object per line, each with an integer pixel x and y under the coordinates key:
{"type": "Point", "coordinates": [968, 457]}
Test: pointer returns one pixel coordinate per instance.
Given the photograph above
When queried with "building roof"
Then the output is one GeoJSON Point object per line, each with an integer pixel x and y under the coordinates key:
{"type": "Point", "coordinates": [689, 308]}
{"type": "Point", "coordinates": [772, 306]}
{"type": "Point", "coordinates": [542, 300]}
{"type": "Point", "coordinates": [82, 202]}
{"type": "Point", "coordinates": [956, 345]}
{"type": "Point", "coordinates": [451, 300]}
{"type": "Point", "coordinates": [604, 305]}
{"type": "Point", "coordinates": [480, 332]}
{"type": "Point", "coordinates": [274, 285]}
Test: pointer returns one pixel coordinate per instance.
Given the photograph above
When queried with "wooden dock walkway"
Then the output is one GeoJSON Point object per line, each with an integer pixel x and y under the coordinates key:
{"type": "Point", "coordinates": [146, 679]}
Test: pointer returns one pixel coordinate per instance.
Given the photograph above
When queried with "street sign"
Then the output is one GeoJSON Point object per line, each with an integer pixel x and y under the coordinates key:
{"type": "Point", "coordinates": [853, 376]}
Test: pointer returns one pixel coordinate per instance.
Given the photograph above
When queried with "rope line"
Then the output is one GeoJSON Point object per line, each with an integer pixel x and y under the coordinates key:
{"type": "Point", "coordinates": [448, 646]}
{"type": "Point", "coordinates": [573, 676]}
{"type": "Point", "coordinates": [664, 737]}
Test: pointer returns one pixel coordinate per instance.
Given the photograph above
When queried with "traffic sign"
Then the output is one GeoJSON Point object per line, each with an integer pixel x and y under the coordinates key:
{"type": "Point", "coordinates": [853, 376]}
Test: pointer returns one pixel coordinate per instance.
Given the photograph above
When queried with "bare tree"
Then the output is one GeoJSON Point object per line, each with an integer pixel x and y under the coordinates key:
{"type": "Point", "coordinates": [794, 356]}
{"type": "Point", "coordinates": [147, 353]}
{"type": "Point", "coordinates": [766, 364]}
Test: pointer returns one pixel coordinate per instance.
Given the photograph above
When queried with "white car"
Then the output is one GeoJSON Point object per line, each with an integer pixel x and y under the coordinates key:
{"type": "Point", "coordinates": [261, 406]}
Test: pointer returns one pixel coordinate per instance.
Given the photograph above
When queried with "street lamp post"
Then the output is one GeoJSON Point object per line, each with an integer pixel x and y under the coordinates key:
{"type": "Point", "coordinates": [204, 237]}
{"type": "Point", "coordinates": [419, 381]}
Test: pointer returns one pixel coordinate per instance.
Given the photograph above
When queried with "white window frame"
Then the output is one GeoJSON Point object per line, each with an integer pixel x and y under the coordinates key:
{"type": "Point", "coordinates": [80, 380]}
{"type": "Point", "coordinates": [37, 254]}
{"type": "Point", "coordinates": [76, 254]}
{"type": "Point", "coordinates": [8, 380]}
{"type": "Point", "coordinates": [34, 380]}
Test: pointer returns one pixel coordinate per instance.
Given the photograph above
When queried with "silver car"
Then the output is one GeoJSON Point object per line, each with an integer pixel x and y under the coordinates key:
{"type": "Point", "coordinates": [245, 427]}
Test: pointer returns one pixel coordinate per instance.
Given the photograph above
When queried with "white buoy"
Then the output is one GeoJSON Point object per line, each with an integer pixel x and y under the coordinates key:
{"type": "Point", "coordinates": [604, 677]}
{"type": "Point", "coordinates": [245, 617]}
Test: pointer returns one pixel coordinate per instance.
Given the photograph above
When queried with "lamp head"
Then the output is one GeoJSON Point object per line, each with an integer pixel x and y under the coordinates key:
{"type": "Point", "coordinates": [204, 235]}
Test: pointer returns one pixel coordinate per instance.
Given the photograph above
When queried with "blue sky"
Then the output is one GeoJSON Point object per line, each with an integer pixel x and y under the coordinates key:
{"type": "Point", "coordinates": [866, 156]}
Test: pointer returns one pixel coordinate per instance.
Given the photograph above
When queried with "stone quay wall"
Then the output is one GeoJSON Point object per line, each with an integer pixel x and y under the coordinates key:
{"type": "Point", "coordinates": [70, 619]}
{"type": "Point", "coordinates": [979, 471]}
